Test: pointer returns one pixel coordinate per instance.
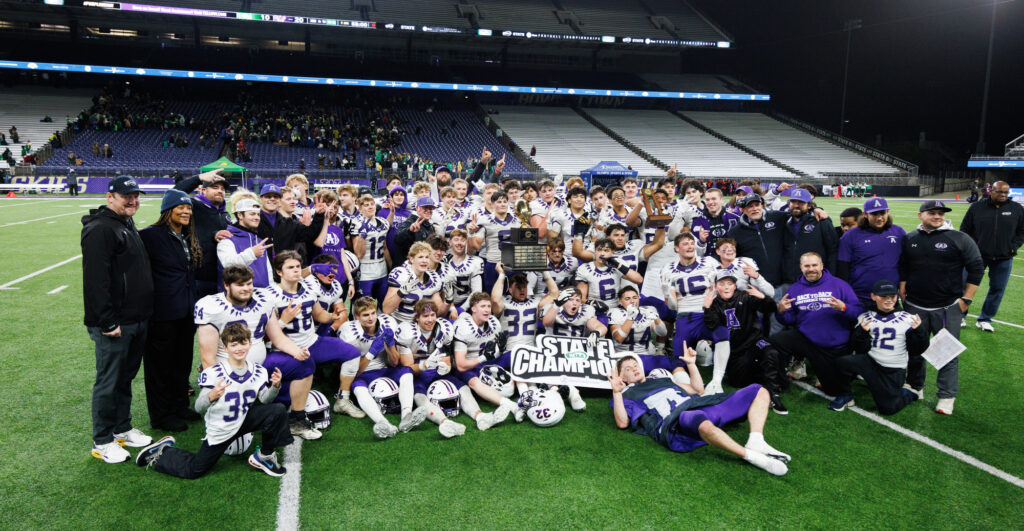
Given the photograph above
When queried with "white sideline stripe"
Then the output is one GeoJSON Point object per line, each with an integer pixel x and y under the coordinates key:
{"type": "Point", "coordinates": [56, 290]}
{"type": "Point", "coordinates": [288, 498]}
{"type": "Point", "coordinates": [1005, 476]}
{"type": "Point", "coordinates": [41, 271]}
{"type": "Point", "coordinates": [968, 315]}
{"type": "Point", "coordinates": [1018, 276]}
{"type": "Point", "coordinates": [41, 219]}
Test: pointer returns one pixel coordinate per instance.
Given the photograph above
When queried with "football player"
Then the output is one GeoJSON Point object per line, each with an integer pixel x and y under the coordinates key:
{"type": "Point", "coordinates": [568, 316]}
{"type": "Point", "coordinates": [240, 302]}
{"type": "Point", "coordinates": [469, 271]}
{"type": "Point", "coordinates": [369, 243]}
{"type": "Point", "coordinates": [675, 416]}
{"type": "Point", "coordinates": [411, 282]}
{"type": "Point", "coordinates": [476, 345]}
{"type": "Point", "coordinates": [374, 336]}
{"type": "Point", "coordinates": [425, 347]}
{"type": "Point", "coordinates": [743, 269]}
{"type": "Point", "coordinates": [542, 207]}
{"type": "Point", "coordinates": [490, 231]}
{"type": "Point", "coordinates": [632, 327]}
{"type": "Point", "coordinates": [562, 268]}
{"type": "Point", "coordinates": [599, 281]}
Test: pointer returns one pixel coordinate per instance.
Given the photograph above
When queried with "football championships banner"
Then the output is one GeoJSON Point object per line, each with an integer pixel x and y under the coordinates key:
{"type": "Point", "coordinates": [560, 360]}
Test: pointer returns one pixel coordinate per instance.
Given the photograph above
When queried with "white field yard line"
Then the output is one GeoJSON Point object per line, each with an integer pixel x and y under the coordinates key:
{"type": "Point", "coordinates": [41, 271]}
{"type": "Point", "coordinates": [288, 497]}
{"type": "Point", "coordinates": [1005, 476]}
{"type": "Point", "coordinates": [41, 219]}
{"type": "Point", "coordinates": [56, 290]}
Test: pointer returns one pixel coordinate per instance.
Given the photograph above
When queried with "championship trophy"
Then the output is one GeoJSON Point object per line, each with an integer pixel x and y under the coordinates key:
{"type": "Point", "coordinates": [522, 251]}
{"type": "Point", "coordinates": [656, 216]}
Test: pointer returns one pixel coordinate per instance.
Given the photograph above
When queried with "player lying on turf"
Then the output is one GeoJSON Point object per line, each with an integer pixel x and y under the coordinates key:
{"type": "Point", "coordinates": [681, 420]}
{"type": "Point", "coordinates": [227, 399]}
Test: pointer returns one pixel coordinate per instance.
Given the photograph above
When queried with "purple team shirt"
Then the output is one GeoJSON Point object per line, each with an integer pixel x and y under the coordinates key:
{"type": "Point", "coordinates": [872, 256]}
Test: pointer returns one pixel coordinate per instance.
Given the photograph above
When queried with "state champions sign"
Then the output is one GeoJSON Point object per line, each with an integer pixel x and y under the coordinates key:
{"type": "Point", "coordinates": [562, 360]}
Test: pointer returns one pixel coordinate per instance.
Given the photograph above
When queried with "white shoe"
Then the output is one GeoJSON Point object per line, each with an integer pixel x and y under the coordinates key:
{"type": "Point", "coordinates": [771, 465]}
{"type": "Point", "coordinates": [963, 322]}
{"type": "Point", "coordinates": [449, 428]}
{"type": "Point", "coordinates": [303, 428]}
{"type": "Point", "coordinates": [767, 450]}
{"type": "Point", "coordinates": [985, 325]}
{"type": "Point", "coordinates": [945, 406]}
{"type": "Point", "coordinates": [345, 406]}
{"type": "Point", "coordinates": [485, 421]}
{"type": "Point", "coordinates": [918, 392]}
{"type": "Point", "coordinates": [110, 452]}
{"type": "Point", "coordinates": [413, 419]}
{"type": "Point", "coordinates": [799, 370]}
{"type": "Point", "coordinates": [385, 430]}
{"type": "Point", "coordinates": [133, 438]}
{"type": "Point", "coordinates": [712, 388]}
{"type": "Point", "coordinates": [501, 413]}
{"type": "Point", "coordinates": [575, 400]}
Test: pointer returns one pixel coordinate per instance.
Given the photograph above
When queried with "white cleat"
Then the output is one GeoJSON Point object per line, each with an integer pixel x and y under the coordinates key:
{"type": "Point", "coordinates": [985, 326]}
{"type": "Point", "coordinates": [133, 438]}
{"type": "Point", "coordinates": [501, 413]}
{"type": "Point", "coordinates": [705, 354]}
{"type": "Point", "coordinates": [771, 465]}
{"type": "Point", "coordinates": [799, 370]}
{"type": "Point", "coordinates": [575, 400]}
{"type": "Point", "coordinates": [345, 406]}
{"type": "Point", "coordinates": [413, 419]}
{"type": "Point", "coordinates": [450, 428]}
{"type": "Point", "coordinates": [945, 406]}
{"type": "Point", "coordinates": [766, 449]}
{"type": "Point", "coordinates": [110, 452]}
{"type": "Point", "coordinates": [485, 421]}
{"type": "Point", "coordinates": [385, 430]}
{"type": "Point", "coordinates": [712, 388]}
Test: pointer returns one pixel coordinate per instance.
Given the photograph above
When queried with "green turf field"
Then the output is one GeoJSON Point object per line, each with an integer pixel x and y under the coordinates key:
{"type": "Point", "coordinates": [847, 470]}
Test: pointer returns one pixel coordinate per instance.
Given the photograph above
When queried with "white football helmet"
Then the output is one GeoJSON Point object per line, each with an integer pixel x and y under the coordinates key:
{"type": "Point", "coordinates": [705, 353]}
{"type": "Point", "coordinates": [499, 379]}
{"type": "Point", "coordinates": [446, 396]}
{"type": "Point", "coordinates": [318, 409]}
{"type": "Point", "coordinates": [545, 408]}
{"type": "Point", "coordinates": [658, 372]}
{"type": "Point", "coordinates": [385, 391]}
{"type": "Point", "coordinates": [240, 445]}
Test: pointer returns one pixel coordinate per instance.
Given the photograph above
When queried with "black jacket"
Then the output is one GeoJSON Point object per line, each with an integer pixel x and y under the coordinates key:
{"type": "Point", "coordinates": [811, 235]}
{"type": "Point", "coordinates": [208, 222]}
{"type": "Point", "coordinates": [745, 326]}
{"type": "Point", "coordinates": [116, 280]}
{"type": "Point", "coordinates": [932, 264]}
{"type": "Point", "coordinates": [287, 234]}
{"type": "Point", "coordinates": [405, 237]}
{"type": "Point", "coordinates": [998, 229]}
{"type": "Point", "coordinates": [174, 287]}
{"type": "Point", "coordinates": [767, 242]}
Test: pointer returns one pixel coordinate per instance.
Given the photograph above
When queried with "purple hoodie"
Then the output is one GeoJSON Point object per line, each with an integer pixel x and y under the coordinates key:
{"type": "Point", "coordinates": [243, 239]}
{"type": "Point", "coordinates": [401, 214]}
{"type": "Point", "coordinates": [817, 320]}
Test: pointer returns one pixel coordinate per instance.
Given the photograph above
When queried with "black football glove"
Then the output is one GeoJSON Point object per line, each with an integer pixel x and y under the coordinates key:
{"type": "Point", "coordinates": [599, 306]}
{"type": "Point", "coordinates": [489, 351]}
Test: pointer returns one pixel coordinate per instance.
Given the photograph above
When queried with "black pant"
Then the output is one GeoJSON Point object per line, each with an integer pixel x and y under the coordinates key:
{"type": "Point", "coordinates": [758, 364]}
{"type": "Point", "coordinates": [823, 360]}
{"type": "Point", "coordinates": [885, 383]}
{"type": "Point", "coordinates": [117, 362]}
{"type": "Point", "coordinates": [168, 362]}
{"type": "Point", "coordinates": [73, 189]}
{"type": "Point", "coordinates": [270, 419]}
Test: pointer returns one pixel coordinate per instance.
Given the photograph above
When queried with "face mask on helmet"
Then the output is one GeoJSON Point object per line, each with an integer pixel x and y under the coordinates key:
{"type": "Point", "coordinates": [544, 408]}
{"type": "Point", "coordinates": [385, 392]}
{"type": "Point", "coordinates": [499, 379]}
{"type": "Point", "coordinates": [318, 410]}
{"type": "Point", "coordinates": [658, 372]}
{"type": "Point", "coordinates": [446, 396]}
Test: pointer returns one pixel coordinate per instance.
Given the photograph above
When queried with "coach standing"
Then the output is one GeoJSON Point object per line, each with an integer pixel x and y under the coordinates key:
{"type": "Point", "coordinates": [996, 224]}
{"type": "Point", "coordinates": [932, 284]}
{"type": "Point", "coordinates": [118, 292]}
{"type": "Point", "coordinates": [211, 220]}
{"type": "Point", "coordinates": [763, 237]}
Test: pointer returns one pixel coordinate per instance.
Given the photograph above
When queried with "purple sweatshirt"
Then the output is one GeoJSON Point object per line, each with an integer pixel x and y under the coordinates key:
{"type": "Point", "coordinates": [814, 318]}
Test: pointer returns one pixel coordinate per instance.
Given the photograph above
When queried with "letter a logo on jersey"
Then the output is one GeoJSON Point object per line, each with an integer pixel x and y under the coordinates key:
{"type": "Point", "coordinates": [730, 318]}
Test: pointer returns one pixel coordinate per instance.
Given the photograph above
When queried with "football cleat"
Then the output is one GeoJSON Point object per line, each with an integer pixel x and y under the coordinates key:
{"type": "Point", "coordinates": [150, 454]}
{"type": "Point", "coordinates": [919, 393]}
{"type": "Point", "coordinates": [485, 421]}
{"type": "Point", "coordinates": [267, 463]}
{"type": "Point", "coordinates": [575, 400]}
{"type": "Point", "coordinates": [450, 428]}
{"type": "Point", "coordinates": [501, 413]}
{"type": "Point", "coordinates": [384, 430]}
{"type": "Point", "coordinates": [963, 322]}
{"type": "Point", "coordinates": [766, 449]}
{"type": "Point", "coordinates": [110, 452]}
{"type": "Point", "coordinates": [712, 388]}
{"type": "Point", "coordinates": [841, 402]}
{"type": "Point", "coordinates": [945, 406]}
{"type": "Point", "coordinates": [302, 427]}
{"type": "Point", "coordinates": [345, 406]}
{"type": "Point", "coordinates": [412, 419]}
{"type": "Point", "coordinates": [771, 465]}
{"type": "Point", "coordinates": [133, 438]}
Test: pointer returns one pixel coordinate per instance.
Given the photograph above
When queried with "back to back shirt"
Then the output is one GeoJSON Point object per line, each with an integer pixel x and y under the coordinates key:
{"type": "Point", "coordinates": [215, 310]}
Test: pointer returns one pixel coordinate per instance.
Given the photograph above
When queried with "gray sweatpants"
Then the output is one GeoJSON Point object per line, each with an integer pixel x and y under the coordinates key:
{"type": "Point", "coordinates": [117, 362]}
{"type": "Point", "coordinates": [934, 321]}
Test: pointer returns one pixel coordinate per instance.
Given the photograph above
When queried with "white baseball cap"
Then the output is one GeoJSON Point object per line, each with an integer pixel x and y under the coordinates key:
{"type": "Point", "coordinates": [247, 205]}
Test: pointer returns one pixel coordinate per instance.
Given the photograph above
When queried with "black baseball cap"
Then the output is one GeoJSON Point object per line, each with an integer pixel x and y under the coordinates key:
{"type": "Point", "coordinates": [363, 190]}
{"type": "Point", "coordinates": [885, 287]}
{"type": "Point", "coordinates": [934, 204]}
{"type": "Point", "coordinates": [124, 185]}
{"type": "Point", "coordinates": [747, 199]}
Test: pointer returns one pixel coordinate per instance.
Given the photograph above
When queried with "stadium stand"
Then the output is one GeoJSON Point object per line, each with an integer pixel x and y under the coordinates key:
{"type": "Point", "coordinates": [776, 140]}
{"type": "Point", "coordinates": [464, 140]}
{"type": "Point", "coordinates": [566, 143]}
{"type": "Point", "coordinates": [671, 140]}
{"type": "Point", "coordinates": [689, 24]}
{"type": "Point", "coordinates": [699, 83]}
{"type": "Point", "coordinates": [429, 12]}
{"type": "Point", "coordinates": [613, 17]}
{"type": "Point", "coordinates": [24, 108]}
{"type": "Point", "coordinates": [533, 15]}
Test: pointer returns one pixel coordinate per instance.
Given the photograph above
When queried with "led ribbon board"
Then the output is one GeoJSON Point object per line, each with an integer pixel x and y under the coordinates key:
{"type": "Point", "coordinates": [379, 83]}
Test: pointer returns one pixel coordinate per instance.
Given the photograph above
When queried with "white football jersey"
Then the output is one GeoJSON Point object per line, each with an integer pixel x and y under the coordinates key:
{"type": "Point", "coordinates": [470, 337]}
{"type": "Point", "coordinates": [573, 325]}
{"type": "Point", "coordinates": [326, 295]}
{"type": "Point", "coordinates": [560, 224]}
{"type": "Point", "coordinates": [352, 332]}
{"type": "Point", "coordinates": [667, 254]}
{"type": "Point", "coordinates": [539, 208]}
{"type": "Point", "coordinates": [225, 415]}
{"type": "Point", "coordinates": [412, 339]}
{"type": "Point", "coordinates": [743, 281]}
{"type": "Point", "coordinates": [602, 283]}
{"type": "Point", "coordinates": [609, 217]}
{"type": "Point", "coordinates": [302, 329]}
{"type": "Point", "coordinates": [468, 277]}
{"type": "Point", "coordinates": [372, 264]}
{"type": "Point", "coordinates": [638, 340]}
{"type": "Point", "coordinates": [691, 282]}
{"type": "Point", "coordinates": [215, 310]}
{"type": "Point", "coordinates": [446, 222]}
{"type": "Point", "coordinates": [425, 289]}
{"type": "Point", "coordinates": [519, 319]}
{"type": "Point", "coordinates": [563, 274]}
{"type": "Point", "coordinates": [495, 231]}
{"type": "Point", "coordinates": [889, 337]}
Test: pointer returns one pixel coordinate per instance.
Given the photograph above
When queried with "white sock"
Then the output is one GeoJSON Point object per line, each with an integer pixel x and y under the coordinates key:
{"type": "Point", "coordinates": [508, 403]}
{"type": "Point", "coordinates": [369, 405]}
{"type": "Point", "coordinates": [345, 394]}
{"type": "Point", "coordinates": [468, 402]}
{"type": "Point", "coordinates": [522, 387]}
{"type": "Point", "coordinates": [405, 392]}
{"type": "Point", "coordinates": [350, 367]}
{"type": "Point", "coordinates": [721, 360]}
{"type": "Point", "coordinates": [755, 438]}
{"type": "Point", "coordinates": [681, 377]}
{"type": "Point", "coordinates": [434, 412]}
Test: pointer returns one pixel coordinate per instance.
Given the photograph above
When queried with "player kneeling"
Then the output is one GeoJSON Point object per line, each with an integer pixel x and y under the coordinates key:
{"type": "Point", "coordinates": [424, 344]}
{"type": "Point", "coordinates": [228, 400]}
{"type": "Point", "coordinates": [476, 348]}
{"type": "Point", "coordinates": [682, 421]}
